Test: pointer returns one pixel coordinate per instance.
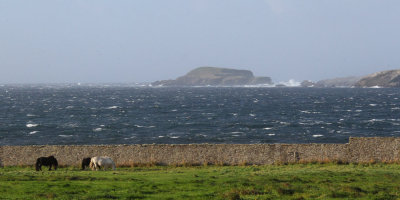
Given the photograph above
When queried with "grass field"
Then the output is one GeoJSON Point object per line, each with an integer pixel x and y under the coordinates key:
{"type": "Point", "coordinates": [298, 181]}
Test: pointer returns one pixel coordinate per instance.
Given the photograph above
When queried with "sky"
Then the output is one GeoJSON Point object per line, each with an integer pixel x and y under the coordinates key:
{"type": "Point", "coordinates": [125, 41]}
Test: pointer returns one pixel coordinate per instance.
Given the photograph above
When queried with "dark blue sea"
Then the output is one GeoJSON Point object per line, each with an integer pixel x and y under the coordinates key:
{"type": "Point", "coordinates": [70, 114]}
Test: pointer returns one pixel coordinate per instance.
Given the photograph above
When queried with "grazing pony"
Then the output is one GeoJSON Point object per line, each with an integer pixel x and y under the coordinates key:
{"type": "Point", "coordinates": [101, 162]}
{"type": "Point", "coordinates": [46, 161]}
{"type": "Point", "coordinates": [86, 163]}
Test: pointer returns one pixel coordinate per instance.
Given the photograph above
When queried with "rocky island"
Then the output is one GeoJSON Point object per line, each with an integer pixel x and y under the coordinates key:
{"type": "Point", "coordinates": [390, 78]}
{"type": "Point", "coordinates": [215, 76]}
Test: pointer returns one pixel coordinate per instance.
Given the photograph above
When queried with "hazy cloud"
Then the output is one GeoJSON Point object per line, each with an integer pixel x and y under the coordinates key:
{"type": "Point", "coordinates": [276, 6]}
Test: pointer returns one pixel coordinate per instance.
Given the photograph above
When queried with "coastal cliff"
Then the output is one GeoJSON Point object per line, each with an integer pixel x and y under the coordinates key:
{"type": "Point", "coordinates": [214, 76]}
{"type": "Point", "coordinates": [390, 78]}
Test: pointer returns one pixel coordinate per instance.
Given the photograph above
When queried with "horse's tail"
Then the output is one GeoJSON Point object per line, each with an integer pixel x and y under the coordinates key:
{"type": "Point", "coordinates": [83, 164]}
{"type": "Point", "coordinates": [38, 164]}
{"type": "Point", "coordinates": [113, 165]}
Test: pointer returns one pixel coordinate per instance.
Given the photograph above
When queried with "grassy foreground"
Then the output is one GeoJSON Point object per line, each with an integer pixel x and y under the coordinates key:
{"type": "Point", "coordinates": [298, 181]}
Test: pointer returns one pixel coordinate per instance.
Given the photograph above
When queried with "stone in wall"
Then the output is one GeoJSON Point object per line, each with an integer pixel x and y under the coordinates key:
{"type": "Point", "coordinates": [374, 149]}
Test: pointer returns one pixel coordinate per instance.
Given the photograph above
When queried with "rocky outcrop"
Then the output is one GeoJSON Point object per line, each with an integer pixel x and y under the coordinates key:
{"type": "Point", "coordinates": [307, 83]}
{"type": "Point", "coordinates": [389, 78]}
{"type": "Point", "coordinates": [214, 76]}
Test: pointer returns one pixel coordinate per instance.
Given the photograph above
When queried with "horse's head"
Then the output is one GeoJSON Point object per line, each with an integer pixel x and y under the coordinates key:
{"type": "Point", "coordinates": [85, 163]}
{"type": "Point", "coordinates": [91, 165]}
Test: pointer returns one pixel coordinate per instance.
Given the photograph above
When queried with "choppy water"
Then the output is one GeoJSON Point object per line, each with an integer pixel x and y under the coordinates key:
{"type": "Point", "coordinates": [138, 115]}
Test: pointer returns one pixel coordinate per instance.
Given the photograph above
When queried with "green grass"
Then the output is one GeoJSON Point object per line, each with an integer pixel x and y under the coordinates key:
{"type": "Point", "coordinates": [298, 181]}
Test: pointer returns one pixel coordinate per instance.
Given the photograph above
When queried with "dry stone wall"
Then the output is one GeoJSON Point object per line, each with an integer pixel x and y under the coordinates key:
{"type": "Point", "coordinates": [374, 149]}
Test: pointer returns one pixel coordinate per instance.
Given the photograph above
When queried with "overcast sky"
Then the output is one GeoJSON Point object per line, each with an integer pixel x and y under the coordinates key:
{"type": "Point", "coordinates": [102, 41]}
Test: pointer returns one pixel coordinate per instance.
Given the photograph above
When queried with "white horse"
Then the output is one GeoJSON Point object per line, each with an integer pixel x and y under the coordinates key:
{"type": "Point", "coordinates": [101, 161]}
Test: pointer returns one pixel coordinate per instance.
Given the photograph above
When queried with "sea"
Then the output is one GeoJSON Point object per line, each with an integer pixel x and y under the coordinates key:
{"type": "Point", "coordinates": [74, 114]}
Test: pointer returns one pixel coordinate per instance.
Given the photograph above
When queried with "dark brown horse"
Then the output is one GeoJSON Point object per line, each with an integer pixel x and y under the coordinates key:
{"type": "Point", "coordinates": [46, 161]}
{"type": "Point", "coordinates": [85, 163]}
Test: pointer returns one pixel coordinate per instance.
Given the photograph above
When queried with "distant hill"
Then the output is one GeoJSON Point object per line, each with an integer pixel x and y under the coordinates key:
{"type": "Point", "coordinates": [215, 76]}
{"type": "Point", "coordinates": [334, 82]}
{"type": "Point", "coordinates": [390, 78]}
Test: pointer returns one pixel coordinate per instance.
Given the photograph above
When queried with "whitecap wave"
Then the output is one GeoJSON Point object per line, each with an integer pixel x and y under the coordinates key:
{"type": "Point", "coordinates": [376, 120]}
{"type": "Point", "coordinates": [33, 132]}
{"type": "Point", "coordinates": [305, 111]}
{"type": "Point", "coordinates": [318, 135]}
{"type": "Point", "coordinates": [65, 136]}
{"type": "Point", "coordinates": [97, 129]}
{"type": "Point", "coordinates": [376, 86]}
{"type": "Point", "coordinates": [70, 125]}
{"type": "Point", "coordinates": [202, 135]}
{"type": "Point", "coordinates": [113, 107]}
{"type": "Point", "coordinates": [31, 125]}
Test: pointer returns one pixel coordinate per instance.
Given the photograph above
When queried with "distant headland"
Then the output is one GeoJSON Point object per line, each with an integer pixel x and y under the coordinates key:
{"type": "Point", "coordinates": [384, 79]}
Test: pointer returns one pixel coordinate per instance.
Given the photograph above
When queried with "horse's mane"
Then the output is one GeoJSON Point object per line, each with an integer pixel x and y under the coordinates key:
{"type": "Point", "coordinates": [54, 160]}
